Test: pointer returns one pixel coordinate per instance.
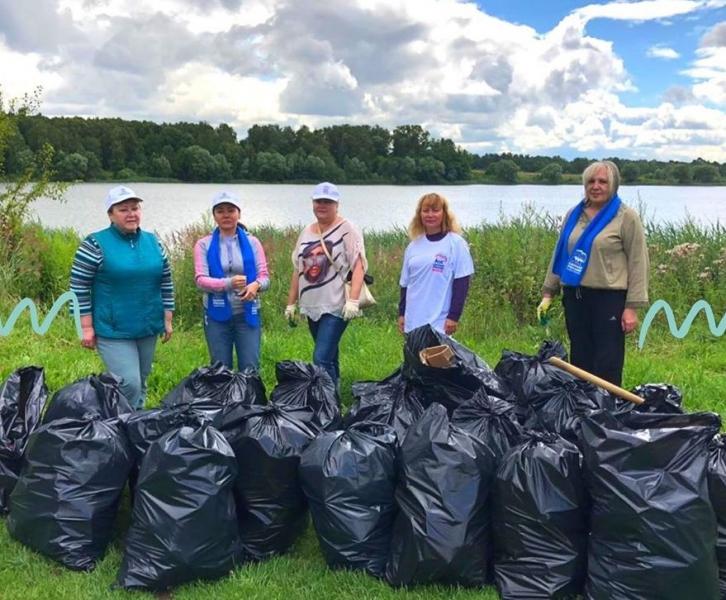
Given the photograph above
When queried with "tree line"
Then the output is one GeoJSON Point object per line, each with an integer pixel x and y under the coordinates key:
{"type": "Point", "coordinates": [92, 149]}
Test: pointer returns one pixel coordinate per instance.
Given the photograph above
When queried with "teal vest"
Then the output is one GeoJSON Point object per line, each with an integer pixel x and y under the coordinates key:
{"type": "Point", "coordinates": [126, 293]}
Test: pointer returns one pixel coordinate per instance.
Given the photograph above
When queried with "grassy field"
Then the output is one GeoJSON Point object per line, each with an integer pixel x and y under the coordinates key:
{"type": "Point", "coordinates": [510, 259]}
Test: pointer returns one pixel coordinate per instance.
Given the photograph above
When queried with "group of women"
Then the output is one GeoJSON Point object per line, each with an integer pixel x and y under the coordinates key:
{"type": "Point", "coordinates": [123, 282]}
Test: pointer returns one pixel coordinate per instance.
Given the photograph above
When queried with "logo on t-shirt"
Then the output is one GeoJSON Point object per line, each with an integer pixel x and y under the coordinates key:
{"type": "Point", "coordinates": [439, 263]}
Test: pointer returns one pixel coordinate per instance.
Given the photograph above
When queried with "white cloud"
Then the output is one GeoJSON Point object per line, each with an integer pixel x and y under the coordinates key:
{"type": "Point", "coordinates": [445, 64]}
{"type": "Point", "coordinates": [664, 52]}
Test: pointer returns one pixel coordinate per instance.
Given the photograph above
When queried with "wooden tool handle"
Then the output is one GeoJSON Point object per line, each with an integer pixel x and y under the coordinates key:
{"type": "Point", "coordinates": [582, 374]}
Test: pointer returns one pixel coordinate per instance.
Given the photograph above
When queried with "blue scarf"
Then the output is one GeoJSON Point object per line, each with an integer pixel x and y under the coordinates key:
{"type": "Point", "coordinates": [218, 305]}
{"type": "Point", "coordinates": [571, 267]}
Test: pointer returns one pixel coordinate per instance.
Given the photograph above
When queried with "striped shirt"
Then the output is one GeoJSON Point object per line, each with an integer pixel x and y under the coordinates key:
{"type": "Point", "coordinates": [89, 259]}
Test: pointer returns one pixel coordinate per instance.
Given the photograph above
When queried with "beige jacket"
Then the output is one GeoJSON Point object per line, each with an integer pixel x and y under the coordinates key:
{"type": "Point", "coordinates": [618, 260]}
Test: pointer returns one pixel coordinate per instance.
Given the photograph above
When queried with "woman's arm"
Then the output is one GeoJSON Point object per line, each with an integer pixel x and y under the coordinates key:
{"type": "Point", "coordinates": [356, 280]}
{"type": "Point", "coordinates": [167, 284]}
{"type": "Point", "coordinates": [202, 278]}
{"type": "Point", "coordinates": [86, 262]}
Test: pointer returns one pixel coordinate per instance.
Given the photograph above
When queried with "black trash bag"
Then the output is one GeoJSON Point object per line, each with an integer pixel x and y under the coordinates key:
{"type": "Point", "coordinates": [490, 419]}
{"type": "Point", "coordinates": [558, 400]}
{"type": "Point", "coordinates": [271, 506]}
{"type": "Point", "coordinates": [22, 398]}
{"type": "Point", "coordinates": [653, 527]}
{"type": "Point", "coordinates": [184, 524]}
{"type": "Point", "coordinates": [96, 396]}
{"type": "Point", "coordinates": [717, 493]}
{"type": "Point", "coordinates": [349, 479]}
{"type": "Point", "coordinates": [393, 401]}
{"type": "Point", "coordinates": [441, 533]}
{"type": "Point", "coordinates": [302, 384]}
{"type": "Point", "coordinates": [65, 503]}
{"type": "Point", "coordinates": [516, 368]}
{"type": "Point", "coordinates": [210, 388]}
{"type": "Point", "coordinates": [449, 387]}
{"type": "Point", "coordinates": [659, 398]}
{"type": "Point", "coordinates": [539, 512]}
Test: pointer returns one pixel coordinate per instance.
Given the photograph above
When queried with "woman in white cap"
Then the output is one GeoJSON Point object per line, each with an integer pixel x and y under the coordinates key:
{"type": "Point", "coordinates": [327, 253]}
{"type": "Point", "coordinates": [122, 278]}
{"type": "Point", "coordinates": [230, 266]}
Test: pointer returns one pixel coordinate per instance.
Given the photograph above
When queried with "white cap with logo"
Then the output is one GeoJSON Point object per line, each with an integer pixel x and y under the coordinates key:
{"type": "Point", "coordinates": [226, 198]}
{"type": "Point", "coordinates": [119, 194]}
{"type": "Point", "coordinates": [326, 191]}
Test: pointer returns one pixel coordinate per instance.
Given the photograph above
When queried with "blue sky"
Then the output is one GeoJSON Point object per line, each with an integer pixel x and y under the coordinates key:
{"type": "Point", "coordinates": [633, 78]}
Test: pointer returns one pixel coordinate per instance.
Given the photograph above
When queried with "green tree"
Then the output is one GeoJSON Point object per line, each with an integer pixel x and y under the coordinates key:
{"type": "Point", "coordinates": [410, 141]}
{"type": "Point", "coordinates": [195, 163]}
{"type": "Point", "coordinates": [160, 166]}
{"type": "Point", "coordinates": [551, 173]}
{"type": "Point", "coordinates": [504, 171]}
{"type": "Point", "coordinates": [222, 168]}
{"type": "Point", "coordinates": [705, 173]}
{"type": "Point", "coordinates": [681, 173]}
{"type": "Point", "coordinates": [271, 166]}
{"type": "Point", "coordinates": [71, 167]}
{"type": "Point", "coordinates": [630, 172]}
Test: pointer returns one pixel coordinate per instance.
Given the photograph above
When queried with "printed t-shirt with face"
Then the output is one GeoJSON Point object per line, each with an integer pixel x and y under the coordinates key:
{"type": "Point", "coordinates": [321, 288]}
{"type": "Point", "coordinates": [428, 273]}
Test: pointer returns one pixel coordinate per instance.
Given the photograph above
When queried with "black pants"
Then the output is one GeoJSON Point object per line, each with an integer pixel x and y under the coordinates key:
{"type": "Point", "coordinates": [597, 341]}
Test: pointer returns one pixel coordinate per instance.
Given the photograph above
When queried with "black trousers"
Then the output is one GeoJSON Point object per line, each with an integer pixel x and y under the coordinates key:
{"type": "Point", "coordinates": [597, 341]}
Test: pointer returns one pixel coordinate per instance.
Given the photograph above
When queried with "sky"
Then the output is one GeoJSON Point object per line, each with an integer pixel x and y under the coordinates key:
{"type": "Point", "coordinates": [635, 79]}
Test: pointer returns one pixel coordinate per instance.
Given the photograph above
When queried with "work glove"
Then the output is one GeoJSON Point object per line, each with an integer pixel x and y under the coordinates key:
{"type": "Point", "coordinates": [542, 310]}
{"type": "Point", "coordinates": [351, 310]}
{"type": "Point", "coordinates": [290, 311]}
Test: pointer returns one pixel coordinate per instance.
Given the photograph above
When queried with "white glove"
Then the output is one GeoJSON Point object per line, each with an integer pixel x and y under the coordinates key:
{"type": "Point", "coordinates": [290, 312]}
{"type": "Point", "coordinates": [350, 310]}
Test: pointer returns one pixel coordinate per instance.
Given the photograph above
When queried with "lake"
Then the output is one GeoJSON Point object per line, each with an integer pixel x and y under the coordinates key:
{"type": "Point", "coordinates": [170, 206]}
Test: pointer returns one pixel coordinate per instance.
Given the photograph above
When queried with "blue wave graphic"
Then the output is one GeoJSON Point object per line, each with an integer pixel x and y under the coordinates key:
{"type": "Point", "coordinates": [41, 329]}
{"type": "Point", "coordinates": [680, 332]}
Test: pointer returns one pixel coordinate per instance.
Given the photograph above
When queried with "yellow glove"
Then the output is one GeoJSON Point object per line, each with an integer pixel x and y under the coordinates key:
{"type": "Point", "coordinates": [542, 310]}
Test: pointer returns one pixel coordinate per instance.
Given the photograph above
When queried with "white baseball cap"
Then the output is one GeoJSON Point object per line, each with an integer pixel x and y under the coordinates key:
{"type": "Point", "coordinates": [226, 198]}
{"type": "Point", "coordinates": [326, 191]}
{"type": "Point", "coordinates": [119, 194]}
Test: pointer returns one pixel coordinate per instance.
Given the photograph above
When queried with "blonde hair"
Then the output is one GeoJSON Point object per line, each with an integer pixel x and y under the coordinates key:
{"type": "Point", "coordinates": [610, 168]}
{"type": "Point", "coordinates": [449, 223]}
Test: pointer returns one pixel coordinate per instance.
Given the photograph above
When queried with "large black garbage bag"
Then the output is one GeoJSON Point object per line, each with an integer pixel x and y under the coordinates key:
{"type": "Point", "coordinates": [653, 526]}
{"type": "Point", "coordinates": [349, 479]}
{"type": "Point", "coordinates": [540, 526]}
{"type": "Point", "coordinates": [22, 398]}
{"type": "Point", "coordinates": [454, 385]}
{"type": "Point", "coordinates": [441, 533]}
{"type": "Point", "coordinates": [271, 506]}
{"type": "Point", "coordinates": [96, 396]}
{"type": "Point", "coordinates": [659, 398]}
{"type": "Point", "coordinates": [717, 493]}
{"type": "Point", "coordinates": [490, 419]}
{"type": "Point", "coordinates": [301, 384]}
{"type": "Point", "coordinates": [517, 368]}
{"type": "Point", "coordinates": [393, 401]}
{"type": "Point", "coordinates": [183, 525]}
{"type": "Point", "coordinates": [66, 499]}
{"type": "Point", "coordinates": [209, 389]}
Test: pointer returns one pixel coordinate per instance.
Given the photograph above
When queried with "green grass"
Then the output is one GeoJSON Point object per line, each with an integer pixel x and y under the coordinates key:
{"type": "Point", "coordinates": [510, 258]}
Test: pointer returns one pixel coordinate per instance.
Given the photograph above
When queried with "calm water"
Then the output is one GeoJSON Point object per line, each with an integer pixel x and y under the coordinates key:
{"type": "Point", "coordinates": [171, 206]}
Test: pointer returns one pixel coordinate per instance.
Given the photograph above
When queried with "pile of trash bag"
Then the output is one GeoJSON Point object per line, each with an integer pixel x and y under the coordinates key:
{"type": "Point", "coordinates": [349, 479]}
{"type": "Point", "coordinates": [393, 401]}
{"type": "Point", "coordinates": [301, 384]}
{"type": "Point", "coordinates": [717, 493]}
{"type": "Point", "coordinates": [442, 531]}
{"type": "Point", "coordinates": [271, 506]}
{"type": "Point", "coordinates": [22, 398]}
{"type": "Point", "coordinates": [659, 398]}
{"type": "Point", "coordinates": [539, 516]}
{"type": "Point", "coordinates": [96, 396]}
{"type": "Point", "coordinates": [66, 499]}
{"type": "Point", "coordinates": [653, 528]}
{"type": "Point", "coordinates": [519, 369]}
{"type": "Point", "coordinates": [184, 523]}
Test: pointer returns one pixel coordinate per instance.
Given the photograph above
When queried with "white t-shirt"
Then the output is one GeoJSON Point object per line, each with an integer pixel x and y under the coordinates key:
{"type": "Point", "coordinates": [428, 273]}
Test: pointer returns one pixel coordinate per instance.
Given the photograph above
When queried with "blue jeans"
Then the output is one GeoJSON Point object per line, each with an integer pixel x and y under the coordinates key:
{"type": "Point", "coordinates": [235, 333]}
{"type": "Point", "coordinates": [327, 332]}
{"type": "Point", "coordinates": [131, 361]}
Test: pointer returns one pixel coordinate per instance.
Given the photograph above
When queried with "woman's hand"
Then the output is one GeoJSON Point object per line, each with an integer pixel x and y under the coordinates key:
{"type": "Point", "coordinates": [629, 320]}
{"type": "Point", "coordinates": [238, 282]}
{"type": "Point", "coordinates": [401, 321]}
{"type": "Point", "coordinates": [88, 337]}
{"type": "Point", "coordinates": [250, 292]}
{"type": "Point", "coordinates": [168, 329]}
{"type": "Point", "coordinates": [450, 326]}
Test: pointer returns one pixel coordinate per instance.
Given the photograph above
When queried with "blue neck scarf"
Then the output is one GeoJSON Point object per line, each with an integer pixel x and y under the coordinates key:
{"type": "Point", "coordinates": [218, 305]}
{"type": "Point", "coordinates": [571, 267]}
